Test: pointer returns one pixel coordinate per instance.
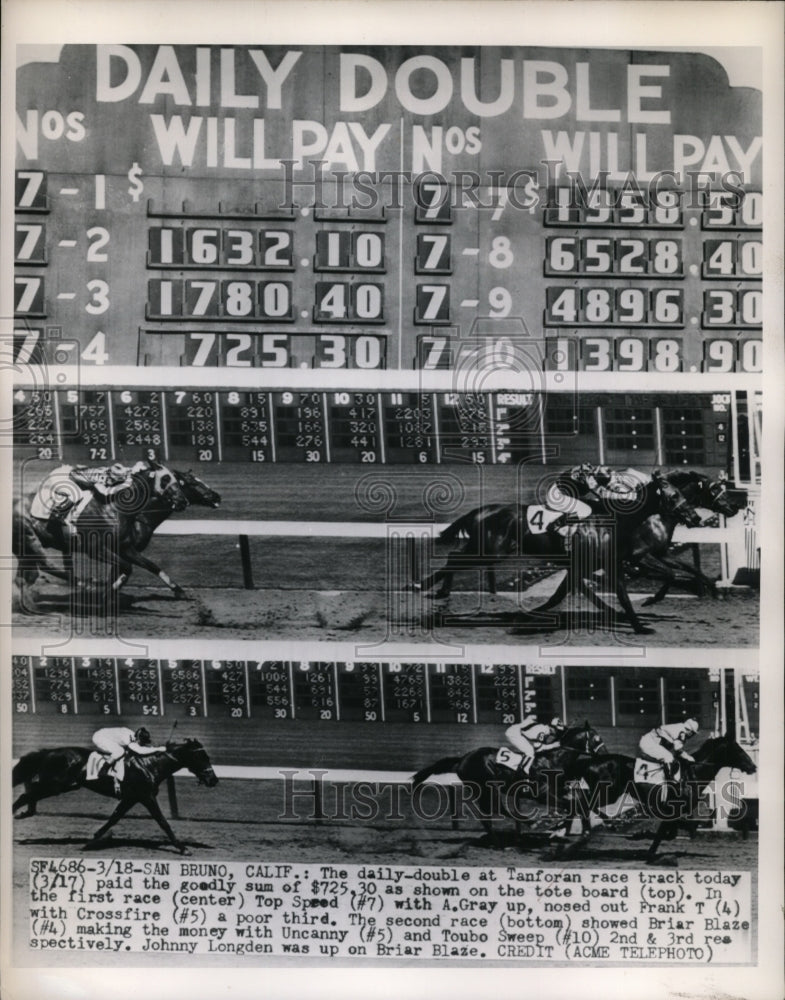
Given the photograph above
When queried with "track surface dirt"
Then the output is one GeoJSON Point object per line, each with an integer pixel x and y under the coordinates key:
{"type": "Point", "coordinates": [316, 588]}
{"type": "Point", "coordinates": [238, 821]}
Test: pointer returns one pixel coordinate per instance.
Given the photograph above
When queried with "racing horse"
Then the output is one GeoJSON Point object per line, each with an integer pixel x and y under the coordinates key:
{"type": "Point", "coordinates": [656, 532]}
{"type": "Point", "coordinates": [598, 542]}
{"type": "Point", "coordinates": [608, 777]}
{"type": "Point", "coordinates": [128, 528]}
{"type": "Point", "coordinates": [46, 773]}
{"type": "Point", "coordinates": [490, 769]}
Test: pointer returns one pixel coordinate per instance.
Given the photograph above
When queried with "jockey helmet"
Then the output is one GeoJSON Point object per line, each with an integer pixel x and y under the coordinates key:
{"type": "Point", "coordinates": [142, 737]}
{"type": "Point", "coordinates": [117, 473]}
{"type": "Point", "coordinates": [602, 474]}
{"type": "Point", "coordinates": [557, 723]}
{"type": "Point", "coordinates": [691, 725]}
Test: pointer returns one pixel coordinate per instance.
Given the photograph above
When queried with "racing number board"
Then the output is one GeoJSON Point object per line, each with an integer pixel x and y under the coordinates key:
{"type": "Point", "coordinates": [368, 208]}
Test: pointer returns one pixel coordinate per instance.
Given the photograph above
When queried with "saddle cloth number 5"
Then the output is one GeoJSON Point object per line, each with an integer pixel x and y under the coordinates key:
{"type": "Point", "coordinates": [508, 758]}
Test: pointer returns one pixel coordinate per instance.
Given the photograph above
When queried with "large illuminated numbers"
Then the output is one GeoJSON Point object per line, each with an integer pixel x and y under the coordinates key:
{"type": "Point", "coordinates": [719, 214]}
{"type": "Point", "coordinates": [275, 299]}
{"type": "Point", "coordinates": [751, 308]}
{"type": "Point", "coordinates": [98, 238]}
{"type": "Point", "coordinates": [719, 356]}
{"type": "Point", "coordinates": [666, 257]}
{"type": "Point", "coordinates": [202, 246]}
{"type": "Point", "coordinates": [331, 302]}
{"type": "Point", "coordinates": [751, 356]}
{"type": "Point", "coordinates": [238, 298]}
{"type": "Point", "coordinates": [28, 296]}
{"type": "Point", "coordinates": [631, 256]}
{"type": "Point", "coordinates": [597, 305]}
{"type": "Point", "coordinates": [596, 354]}
{"type": "Point", "coordinates": [205, 344]}
{"type": "Point", "coordinates": [275, 350]}
{"type": "Point", "coordinates": [368, 251]}
{"type": "Point", "coordinates": [433, 254]}
{"type": "Point", "coordinates": [30, 190]}
{"type": "Point", "coordinates": [666, 355]}
{"type": "Point", "coordinates": [667, 208]}
{"type": "Point", "coordinates": [433, 352]}
{"type": "Point", "coordinates": [597, 256]}
{"type": "Point", "coordinates": [99, 297]}
{"type": "Point", "coordinates": [432, 200]}
{"type": "Point", "coordinates": [719, 258]}
{"type": "Point", "coordinates": [29, 243]}
{"type": "Point", "coordinates": [238, 247]}
{"type": "Point", "coordinates": [25, 343]}
{"type": "Point", "coordinates": [500, 255]}
{"type": "Point", "coordinates": [630, 355]}
{"type": "Point", "coordinates": [751, 214]}
{"type": "Point", "coordinates": [276, 248]}
{"type": "Point", "coordinates": [719, 307]}
{"type": "Point", "coordinates": [667, 306]}
{"type": "Point", "coordinates": [432, 304]}
{"type": "Point", "coordinates": [367, 302]}
{"type": "Point", "coordinates": [631, 209]}
{"type": "Point", "coordinates": [561, 305]}
{"type": "Point", "coordinates": [368, 352]}
{"type": "Point", "coordinates": [631, 306]}
{"type": "Point", "coordinates": [333, 251]}
{"type": "Point", "coordinates": [201, 298]}
{"type": "Point", "coordinates": [166, 246]}
{"type": "Point", "coordinates": [563, 254]}
{"type": "Point", "coordinates": [164, 297]}
{"type": "Point", "coordinates": [332, 351]}
{"type": "Point", "coordinates": [598, 208]}
{"type": "Point", "coordinates": [751, 258]}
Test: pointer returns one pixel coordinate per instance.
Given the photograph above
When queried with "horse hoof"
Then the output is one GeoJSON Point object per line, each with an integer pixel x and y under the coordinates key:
{"type": "Point", "coordinates": [183, 849]}
{"type": "Point", "coordinates": [647, 603]}
{"type": "Point", "coordinates": [179, 594]}
{"type": "Point", "coordinates": [644, 630]}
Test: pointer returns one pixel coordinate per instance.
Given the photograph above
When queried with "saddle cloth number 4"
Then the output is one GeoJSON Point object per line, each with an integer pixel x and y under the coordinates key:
{"type": "Point", "coordinates": [508, 758]}
{"type": "Point", "coordinates": [538, 518]}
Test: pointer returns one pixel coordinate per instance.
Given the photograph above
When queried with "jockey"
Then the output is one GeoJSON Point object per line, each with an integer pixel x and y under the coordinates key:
{"type": "Point", "coordinates": [104, 483]}
{"type": "Point", "coordinates": [114, 742]}
{"type": "Point", "coordinates": [530, 738]}
{"type": "Point", "coordinates": [664, 744]}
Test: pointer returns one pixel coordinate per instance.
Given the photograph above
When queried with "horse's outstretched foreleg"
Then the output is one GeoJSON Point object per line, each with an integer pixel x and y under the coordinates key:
{"type": "Point", "coordinates": [430, 581]}
{"type": "Point", "coordinates": [28, 799]}
{"type": "Point", "coordinates": [137, 559]}
{"type": "Point", "coordinates": [659, 836]}
{"type": "Point", "coordinates": [151, 804]}
{"type": "Point", "coordinates": [122, 808]}
{"type": "Point", "coordinates": [626, 603]}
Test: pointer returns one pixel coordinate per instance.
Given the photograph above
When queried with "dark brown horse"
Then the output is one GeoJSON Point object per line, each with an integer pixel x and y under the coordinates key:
{"type": "Point", "coordinates": [46, 773]}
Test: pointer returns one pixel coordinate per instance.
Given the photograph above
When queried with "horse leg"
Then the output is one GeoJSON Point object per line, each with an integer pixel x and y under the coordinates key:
{"type": "Point", "coordinates": [122, 808]}
{"type": "Point", "coordinates": [624, 599]}
{"type": "Point", "coordinates": [659, 835]}
{"type": "Point", "coordinates": [137, 559]}
{"type": "Point", "coordinates": [151, 804]}
{"type": "Point", "coordinates": [650, 562]}
{"type": "Point", "coordinates": [490, 575]}
{"type": "Point", "coordinates": [26, 799]}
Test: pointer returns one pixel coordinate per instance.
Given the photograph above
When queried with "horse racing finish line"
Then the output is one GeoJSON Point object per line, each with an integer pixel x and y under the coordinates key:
{"type": "Point", "coordinates": [427, 913]}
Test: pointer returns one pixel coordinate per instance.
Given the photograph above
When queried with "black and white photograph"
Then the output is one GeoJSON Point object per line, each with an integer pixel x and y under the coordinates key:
{"type": "Point", "coordinates": [393, 490]}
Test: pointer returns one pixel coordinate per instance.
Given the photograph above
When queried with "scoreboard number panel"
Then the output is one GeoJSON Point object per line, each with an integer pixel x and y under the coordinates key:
{"type": "Point", "coordinates": [168, 224]}
{"type": "Point", "coordinates": [226, 688]}
{"type": "Point", "coordinates": [315, 686]}
{"type": "Point", "coordinates": [97, 690]}
{"type": "Point", "coordinates": [360, 692]}
{"type": "Point", "coordinates": [202, 426]}
{"type": "Point", "coordinates": [451, 689]}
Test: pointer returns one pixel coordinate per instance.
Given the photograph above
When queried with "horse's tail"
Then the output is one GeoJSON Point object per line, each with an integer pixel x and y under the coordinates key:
{"type": "Point", "coordinates": [443, 766]}
{"type": "Point", "coordinates": [26, 767]}
{"type": "Point", "coordinates": [460, 527]}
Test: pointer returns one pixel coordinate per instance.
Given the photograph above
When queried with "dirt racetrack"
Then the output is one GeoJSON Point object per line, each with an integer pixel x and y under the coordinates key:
{"type": "Point", "coordinates": [235, 822]}
{"type": "Point", "coordinates": [321, 588]}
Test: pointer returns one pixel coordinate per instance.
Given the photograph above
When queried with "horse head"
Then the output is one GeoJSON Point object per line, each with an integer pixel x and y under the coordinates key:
{"type": "Point", "coordinates": [672, 501]}
{"type": "Point", "coordinates": [716, 492]}
{"type": "Point", "coordinates": [724, 751]}
{"type": "Point", "coordinates": [163, 484]}
{"type": "Point", "coordinates": [196, 492]}
{"type": "Point", "coordinates": [193, 756]}
{"type": "Point", "coordinates": [583, 739]}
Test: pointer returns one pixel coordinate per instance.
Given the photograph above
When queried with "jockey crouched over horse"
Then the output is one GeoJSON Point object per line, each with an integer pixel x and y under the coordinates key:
{"type": "Point", "coordinates": [570, 772]}
{"type": "Point", "coordinates": [108, 514]}
{"type": "Point", "coordinates": [594, 521]}
{"type": "Point", "coordinates": [125, 765]}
